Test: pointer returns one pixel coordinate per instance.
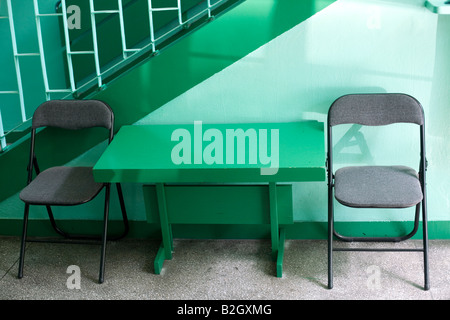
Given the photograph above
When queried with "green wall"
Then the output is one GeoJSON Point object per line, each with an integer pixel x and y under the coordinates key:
{"type": "Point", "coordinates": [209, 50]}
{"type": "Point", "coordinates": [178, 68]}
{"type": "Point", "coordinates": [348, 47]}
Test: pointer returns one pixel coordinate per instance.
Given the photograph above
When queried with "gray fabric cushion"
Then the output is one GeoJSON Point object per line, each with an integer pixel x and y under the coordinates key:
{"type": "Point", "coordinates": [73, 114]}
{"type": "Point", "coordinates": [62, 186]}
{"type": "Point", "coordinates": [375, 109]}
{"type": "Point", "coordinates": [378, 187]}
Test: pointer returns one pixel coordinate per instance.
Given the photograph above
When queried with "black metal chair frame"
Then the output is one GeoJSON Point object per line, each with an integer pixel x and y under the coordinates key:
{"type": "Point", "coordinates": [68, 237]}
{"type": "Point", "coordinates": [331, 228]}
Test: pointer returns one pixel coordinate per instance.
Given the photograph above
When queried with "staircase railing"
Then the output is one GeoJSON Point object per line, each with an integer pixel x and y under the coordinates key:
{"type": "Point", "coordinates": [204, 10]}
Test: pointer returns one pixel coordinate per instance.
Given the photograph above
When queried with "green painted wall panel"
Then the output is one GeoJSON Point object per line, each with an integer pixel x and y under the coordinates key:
{"type": "Point", "coordinates": [137, 93]}
{"type": "Point", "coordinates": [177, 69]}
{"type": "Point", "coordinates": [298, 231]}
{"type": "Point", "coordinates": [194, 59]}
{"type": "Point", "coordinates": [349, 47]}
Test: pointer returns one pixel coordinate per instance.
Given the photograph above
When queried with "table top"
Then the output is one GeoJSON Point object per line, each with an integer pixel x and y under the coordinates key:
{"type": "Point", "coordinates": [215, 153]}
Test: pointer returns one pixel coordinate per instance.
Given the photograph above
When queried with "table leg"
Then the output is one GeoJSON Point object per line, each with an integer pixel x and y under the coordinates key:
{"type": "Point", "coordinates": [165, 250]}
{"type": "Point", "coordinates": [277, 237]}
{"type": "Point", "coordinates": [281, 253]}
{"type": "Point", "coordinates": [274, 231]}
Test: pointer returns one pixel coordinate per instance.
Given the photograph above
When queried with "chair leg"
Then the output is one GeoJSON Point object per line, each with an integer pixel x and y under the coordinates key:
{"type": "Point", "coordinates": [24, 238]}
{"type": "Point", "coordinates": [330, 240]}
{"type": "Point", "coordinates": [105, 235]}
{"type": "Point", "coordinates": [425, 246]}
{"type": "Point", "coordinates": [82, 237]}
{"type": "Point", "coordinates": [53, 223]}
{"type": "Point", "coordinates": [384, 239]}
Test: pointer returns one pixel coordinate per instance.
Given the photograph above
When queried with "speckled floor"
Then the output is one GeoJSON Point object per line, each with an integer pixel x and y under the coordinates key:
{"type": "Point", "coordinates": [220, 269]}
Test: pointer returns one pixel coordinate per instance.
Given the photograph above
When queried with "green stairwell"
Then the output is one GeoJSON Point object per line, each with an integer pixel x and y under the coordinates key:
{"type": "Point", "coordinates": [180, 62]}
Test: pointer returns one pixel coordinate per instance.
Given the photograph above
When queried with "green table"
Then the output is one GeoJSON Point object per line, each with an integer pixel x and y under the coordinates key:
{"type": "Point", "coordinates": [199, 153]}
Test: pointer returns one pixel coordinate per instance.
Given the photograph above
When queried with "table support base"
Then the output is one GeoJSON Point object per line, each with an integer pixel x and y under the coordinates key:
{"type": "Point", "coordinates": [278, 235]}
{"type": "Point", "coordinates": [160, 258]}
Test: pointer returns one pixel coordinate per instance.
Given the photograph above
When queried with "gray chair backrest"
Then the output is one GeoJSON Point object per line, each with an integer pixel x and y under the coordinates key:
{"type": "Point", "coordinates": [73, 114]}
{"type": "Point", "coordinates": [375, 109]}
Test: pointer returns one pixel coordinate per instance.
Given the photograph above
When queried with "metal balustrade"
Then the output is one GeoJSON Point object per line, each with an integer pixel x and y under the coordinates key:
{"type": "Point", "coordinates": [19, 90]}
{"type": "Point", "coordinates": [183, 20]}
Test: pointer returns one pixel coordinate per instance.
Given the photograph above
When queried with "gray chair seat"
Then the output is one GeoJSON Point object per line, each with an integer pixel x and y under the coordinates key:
{"type": "Point", "coordinates": [62, 186]}
{"type": "Point", "coordinates": [378, 187]}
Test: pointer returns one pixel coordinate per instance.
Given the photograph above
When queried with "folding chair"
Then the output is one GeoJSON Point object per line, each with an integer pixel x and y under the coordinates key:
{"type": "Point", "coordinates": [377, 186]}
{"type": "Point", "coordinates": [64, 185]}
